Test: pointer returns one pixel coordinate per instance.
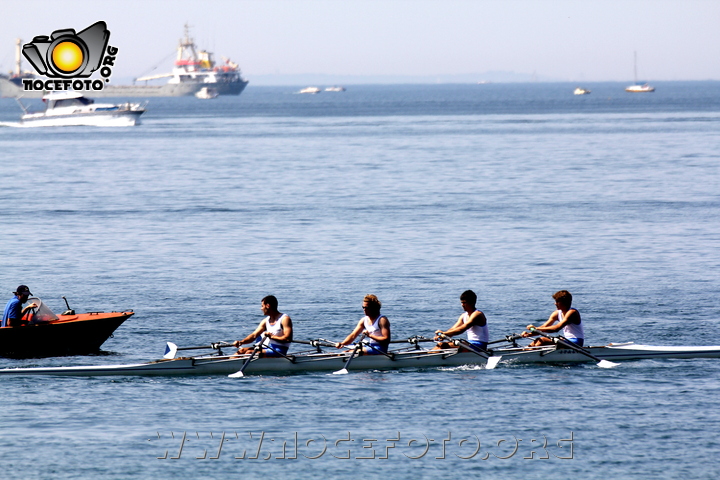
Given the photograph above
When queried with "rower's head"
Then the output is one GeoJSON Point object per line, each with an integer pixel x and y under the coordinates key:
{"type": "Point", "coordinates": [468, 299]}
{"type": "Point", "coordinates": [269, 304]}
{"type": "Point", "coordinates": [563, 298]}
{"type": "Point", "coordinates": [371, 305]}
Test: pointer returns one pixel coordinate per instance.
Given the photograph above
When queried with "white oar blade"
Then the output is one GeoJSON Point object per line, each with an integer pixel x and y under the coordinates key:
{"type": "Point", "coordinates": [341, 372]}
{"type": "Point", "coordinates": [237, 375]}
{"type": "Point", "coordinates": [607, 364]}
{"type": "Point", "coordinates": [170, 350]}
{"type": "Point", "coordinates": [492, 362]}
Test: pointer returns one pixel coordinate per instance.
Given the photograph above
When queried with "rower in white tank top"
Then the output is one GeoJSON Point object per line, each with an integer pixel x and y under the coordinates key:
{"type": "Point", "coordinates": [572, 331]}
{"type": "Point", "coordinates": [373, 328]}
{"type": "Point", "coordinates": [275, 329]}
{"type": "Point", "coordinates": [477, 334]}
{"type": "Point", "coordinates": [377, 331]}
{"type": "Point", "coordinates": [472, 321]}
{"type": "Point", "coordinates": [569, 323]}
{"type": "Point", "coordinates": [281, 330]}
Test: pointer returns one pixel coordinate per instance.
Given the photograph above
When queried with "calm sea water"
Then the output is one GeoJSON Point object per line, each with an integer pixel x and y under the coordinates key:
{"type": "Point", "coordinates": [414, 193]}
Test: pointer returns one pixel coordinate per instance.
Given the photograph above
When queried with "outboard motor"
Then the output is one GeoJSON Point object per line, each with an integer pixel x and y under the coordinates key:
{"type": "Point", "coordinates": [69, 310]}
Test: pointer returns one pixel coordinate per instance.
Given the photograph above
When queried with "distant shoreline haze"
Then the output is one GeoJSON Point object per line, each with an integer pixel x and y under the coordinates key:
{"type": "Point", "coordinates": [490, 77]}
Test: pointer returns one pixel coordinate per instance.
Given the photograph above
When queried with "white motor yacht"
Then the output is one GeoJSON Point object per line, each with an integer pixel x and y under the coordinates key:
{"type": "Point", "coordinates": [71, 108]}
{"type": "Point", "coordinates": [311, 90]}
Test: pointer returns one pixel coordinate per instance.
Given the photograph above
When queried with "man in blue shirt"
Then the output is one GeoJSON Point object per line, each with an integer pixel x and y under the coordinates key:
{"type": "Point", "coordinates": [12, 317]}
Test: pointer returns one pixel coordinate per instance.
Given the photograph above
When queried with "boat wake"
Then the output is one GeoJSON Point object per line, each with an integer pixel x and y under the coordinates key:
{"type": "Point", "coordinates": [463, 368]}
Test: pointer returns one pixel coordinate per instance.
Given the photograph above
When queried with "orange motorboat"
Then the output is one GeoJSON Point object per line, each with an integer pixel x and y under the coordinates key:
{"type": "Point", "coordinates": [47, 335]}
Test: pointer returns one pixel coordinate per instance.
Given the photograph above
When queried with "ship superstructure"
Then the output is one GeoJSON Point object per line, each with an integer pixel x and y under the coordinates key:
{"type": "Point", "coordinates": [193, 66]}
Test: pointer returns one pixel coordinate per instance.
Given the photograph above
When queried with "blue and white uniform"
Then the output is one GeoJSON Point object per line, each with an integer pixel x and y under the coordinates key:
{"type": "Point", "coordinates": [373, 328]}
{"type": "Point", "coordinates": [573, 332]}
{"type": "Point", "coordinates": [478, 336]}
{"type": "Point", "coordinates": [275, 329]}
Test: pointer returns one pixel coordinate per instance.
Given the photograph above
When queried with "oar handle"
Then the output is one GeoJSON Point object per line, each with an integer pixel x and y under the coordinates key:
{"type": "Point", "coordinates": [555, 339]}
{"type": "Point", "coordinates": [447, 338]}
{"type": "Point", "coordinates": [511, 338]}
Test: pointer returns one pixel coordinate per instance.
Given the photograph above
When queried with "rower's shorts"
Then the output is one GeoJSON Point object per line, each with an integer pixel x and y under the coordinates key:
{"type": "Point", "coordinates": [275, 351]}
{"type": "Point", "coordinates": [576, 341]}
{"type": "Point", "coordinates": [377, 350]}
{"type": "Point", "coordinates": [480, 345]}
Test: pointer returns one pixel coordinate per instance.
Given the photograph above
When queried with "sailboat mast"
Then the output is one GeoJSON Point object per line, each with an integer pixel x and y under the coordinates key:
{"type": "Point", "coordinates": [18, 57]}
{"type": "Point", "coordinates": [635, 66]}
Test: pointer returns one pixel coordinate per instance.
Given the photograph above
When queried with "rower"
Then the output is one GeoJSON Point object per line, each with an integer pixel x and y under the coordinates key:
{"type": "Point", "coordinates": [472, 321]}
{"type": "Point", "coordinates": [565, 318]}
{"type": "Point", "coordinates": [376, 328]}
{"type": "Point", "coordinates": [274, 331]}
{"type": "Point", "coordinates": [13, 314]}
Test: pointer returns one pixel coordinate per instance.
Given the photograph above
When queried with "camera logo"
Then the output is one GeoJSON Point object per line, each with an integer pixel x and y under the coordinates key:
{"type": "Point", "coordinates": [69, 55]}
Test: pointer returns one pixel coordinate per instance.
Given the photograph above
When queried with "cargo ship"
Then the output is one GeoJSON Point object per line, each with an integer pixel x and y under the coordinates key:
{"type": "Point", "coordinates": [194, 70]}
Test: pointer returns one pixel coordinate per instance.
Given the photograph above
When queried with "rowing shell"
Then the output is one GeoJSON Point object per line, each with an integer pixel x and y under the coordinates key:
{"type": "Point", "coordinates": [613, 352]}
{"type": "Point", "coordinates": [213, 365]}
{"type": "Point", "coordinates": [317, 362]}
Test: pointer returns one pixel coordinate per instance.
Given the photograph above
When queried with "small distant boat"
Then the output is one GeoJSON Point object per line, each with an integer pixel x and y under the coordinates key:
{"type": "Point", "coordinates": [637, 88]}
{"type": "Point", "coordinates": [207, 93]}
{"type": "Point", "coordinates": [335, 89]}
{"type": "Point", "coordinates": [640, 88]}
{"type": "Point", "coordinates": [71, 108]}
{"type": "Point", "coordinates": [581, 91]}
{"type": "Point", "coordinates": [312, 90]}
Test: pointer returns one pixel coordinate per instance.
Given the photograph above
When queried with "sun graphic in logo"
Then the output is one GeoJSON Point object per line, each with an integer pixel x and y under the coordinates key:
{"type": "Point", "coordinates": [67, 56]}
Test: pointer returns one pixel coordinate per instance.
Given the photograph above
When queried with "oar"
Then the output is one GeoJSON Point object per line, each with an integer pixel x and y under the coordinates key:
{"type": "Point", "coordinates": [239, 373]}
{"type": "Point", "coordinates": [414, 339]}
{"type": "Point", "coordinates": [313, 343]}
{"type": "Point", "coordinates": [291, 358]}
{"type": "Point", "coordinates": [562, 341]}
{"type": "Point", "coordinates": [492, 361]}
{"type": "Point", "coordinates": [355, 351]}
{"type": "Point", "coordinates": [171, 349]}
{"type": "Point", "coordinates": [508, 338]}
{"type": "Point", "coordinates": [390, 355]}
{"type": "Point", "coordinates": [319, 342]}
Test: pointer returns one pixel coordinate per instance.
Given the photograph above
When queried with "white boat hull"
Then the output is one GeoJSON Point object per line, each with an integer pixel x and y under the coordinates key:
{"type": "Point", "coordinates": [225, 365]}
{"type": "Point", "coordinates": [110, 119]}
{"type": "Point", "coordinates": [611, 352]}
{"type": "Point", "coordinates": [640, 89]}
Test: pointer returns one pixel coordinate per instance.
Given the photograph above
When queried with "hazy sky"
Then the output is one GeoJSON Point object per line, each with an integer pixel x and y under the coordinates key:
{"type": "Point", "coordinates": [591, 40]}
